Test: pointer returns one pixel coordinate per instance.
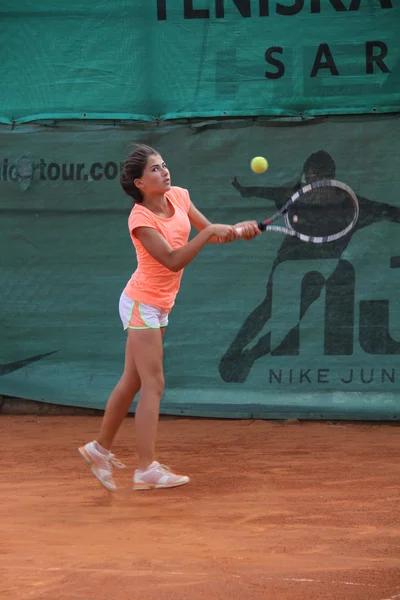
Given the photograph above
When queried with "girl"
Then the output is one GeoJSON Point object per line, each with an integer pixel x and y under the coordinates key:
{"type": "Point", "coordinates": [159, 225]}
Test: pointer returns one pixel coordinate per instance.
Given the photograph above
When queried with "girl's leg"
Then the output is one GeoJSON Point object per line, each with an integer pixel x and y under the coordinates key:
{"type": "Point", "coordinates": [120, 399]}
{"type": "Point", "coordinates": [147, 353]}
{"type": "Point", "coordinates": [148, 357]}
{"type": "Point", "coordinates": [96, 453]}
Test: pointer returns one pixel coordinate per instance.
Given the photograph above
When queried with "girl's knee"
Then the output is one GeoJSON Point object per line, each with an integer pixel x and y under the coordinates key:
{"type": "Point", "coordinates": [129, 384]}
{"type": "Point", "coordinates": [154, 385]}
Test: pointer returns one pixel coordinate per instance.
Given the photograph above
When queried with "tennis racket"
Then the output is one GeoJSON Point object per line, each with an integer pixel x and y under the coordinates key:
{"type": "Point", "coordinates": [320, 212]}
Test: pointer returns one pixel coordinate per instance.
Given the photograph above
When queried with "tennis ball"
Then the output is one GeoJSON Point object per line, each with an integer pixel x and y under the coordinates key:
{"type": "Point", "coordinates": [259, 164]}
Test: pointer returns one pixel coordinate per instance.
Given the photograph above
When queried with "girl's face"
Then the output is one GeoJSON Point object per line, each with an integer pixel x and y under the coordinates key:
{"type": "Point", "coordinates": [155, 178]}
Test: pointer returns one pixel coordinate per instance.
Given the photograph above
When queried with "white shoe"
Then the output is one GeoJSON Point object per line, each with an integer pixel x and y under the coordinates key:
{"type": "Point", "coordinates": [101, 464]}
{"type": "Point", "coordinates": [157, 476]}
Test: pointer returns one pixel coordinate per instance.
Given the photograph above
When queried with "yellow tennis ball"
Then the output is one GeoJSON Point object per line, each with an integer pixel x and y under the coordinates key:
{"type": "Point", "coordinates": [259, 164]}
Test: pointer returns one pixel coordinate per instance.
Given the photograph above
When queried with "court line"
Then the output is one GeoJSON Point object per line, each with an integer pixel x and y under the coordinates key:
{"type": "Point", "coordinates": [299, 580]}
{"type": "Point", "coordinates": [64, 570]}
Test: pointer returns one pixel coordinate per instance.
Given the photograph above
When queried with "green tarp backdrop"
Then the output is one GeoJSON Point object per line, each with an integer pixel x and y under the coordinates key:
{"type": "Point", "coordinates": [265, 328]}
{"type": "Point", "coordinates": [269, 328]}
{"type": "Point", "coordinates": [162, 59]}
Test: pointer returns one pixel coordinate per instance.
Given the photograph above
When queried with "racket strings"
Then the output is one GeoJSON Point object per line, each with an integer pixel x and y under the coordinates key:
{"type": "Point", "coordinates": [322, 212]}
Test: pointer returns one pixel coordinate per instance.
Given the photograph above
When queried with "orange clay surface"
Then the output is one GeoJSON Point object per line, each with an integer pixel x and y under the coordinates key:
{"type": "Point", "coordinates": [274, 510]}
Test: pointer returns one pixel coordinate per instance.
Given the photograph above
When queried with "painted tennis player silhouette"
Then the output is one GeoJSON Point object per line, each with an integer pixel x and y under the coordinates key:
{"type": "Point", "coordinates": [237, 361]}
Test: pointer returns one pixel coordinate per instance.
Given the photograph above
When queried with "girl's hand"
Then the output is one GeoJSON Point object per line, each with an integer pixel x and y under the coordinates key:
{"type": "Point", "coordinates": [248, 229]}
{"type": "Point", "coordinates": [224, 233]}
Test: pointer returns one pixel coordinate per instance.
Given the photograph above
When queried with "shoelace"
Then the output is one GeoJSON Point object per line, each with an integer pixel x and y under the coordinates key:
{"type": "Point", "coordinates": [115, 462]}
{"type": "Point", "coordinates": [165, 469]}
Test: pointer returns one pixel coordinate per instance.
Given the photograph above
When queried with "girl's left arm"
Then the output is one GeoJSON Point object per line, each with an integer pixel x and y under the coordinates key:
{"type": "Point", "coordinates": [200, 222]}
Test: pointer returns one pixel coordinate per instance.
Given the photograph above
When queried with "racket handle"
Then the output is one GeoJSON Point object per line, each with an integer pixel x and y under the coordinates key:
{"type": "Point", "coordinates": [260, 226]}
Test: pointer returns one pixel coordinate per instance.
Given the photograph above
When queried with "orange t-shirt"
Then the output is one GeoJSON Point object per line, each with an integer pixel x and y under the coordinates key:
{"type": "Point", "coordinates": [152, 283]}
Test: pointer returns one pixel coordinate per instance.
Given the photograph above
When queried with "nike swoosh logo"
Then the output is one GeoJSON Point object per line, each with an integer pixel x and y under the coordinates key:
{"type": "Point", "coordinates": [20, 364]}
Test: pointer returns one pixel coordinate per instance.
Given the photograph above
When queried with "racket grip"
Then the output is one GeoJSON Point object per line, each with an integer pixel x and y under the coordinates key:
{"type": "Point", "coordinates": [260, 226]}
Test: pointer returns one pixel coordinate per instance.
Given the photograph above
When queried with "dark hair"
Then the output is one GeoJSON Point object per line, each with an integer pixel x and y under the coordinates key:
{"type": "Point", "coordinates": [133, 168]}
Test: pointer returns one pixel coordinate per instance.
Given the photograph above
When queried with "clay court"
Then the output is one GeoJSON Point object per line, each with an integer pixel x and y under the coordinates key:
{"type": "Point", "coordinates": [275, 510]}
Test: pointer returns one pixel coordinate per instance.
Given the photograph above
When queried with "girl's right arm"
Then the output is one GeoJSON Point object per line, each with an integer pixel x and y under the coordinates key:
{"type": "Point", "coordinates": [175, 260]}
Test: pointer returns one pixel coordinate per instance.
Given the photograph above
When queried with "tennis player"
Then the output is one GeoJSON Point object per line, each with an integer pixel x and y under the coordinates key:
{"type": "Point", "coordinates": [159, 225]}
